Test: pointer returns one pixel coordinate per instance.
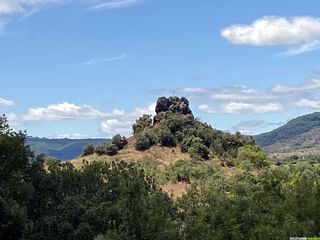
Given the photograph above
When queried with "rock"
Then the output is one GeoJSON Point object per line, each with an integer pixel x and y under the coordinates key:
{"type": "Point", "coordinates": [173, 104]}
{"type": "Point", "coordinates": [163, 105]}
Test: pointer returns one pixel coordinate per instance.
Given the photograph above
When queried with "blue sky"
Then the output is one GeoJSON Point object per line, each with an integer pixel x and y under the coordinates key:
{"type": "Point", "coordinates": [89, 68]}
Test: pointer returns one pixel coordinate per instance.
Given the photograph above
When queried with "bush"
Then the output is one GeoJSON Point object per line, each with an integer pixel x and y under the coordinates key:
{"type": "Point", "coordinates": [119, 141]}
{"type": "Point", "coordinates": [252, 156]}
{"type": "Point", "coordinates": [198, 150]}
{"type": "Point", "coordinates": [142, 123]}
{"type": "Point", "coordinates": [142, 142]}
{"type": "Point", "coordinates": [100, 150]}
{"type": "Point", "coordinates": [111, 149]}
{"type": "Point", "coordinates": [88, 150]}
{"type": "Point", "coordinates": [166, 137]}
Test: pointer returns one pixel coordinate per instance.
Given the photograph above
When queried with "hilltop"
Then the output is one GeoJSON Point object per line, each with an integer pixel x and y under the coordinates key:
{"type": "Point", "coordinates": [177, 149]}
{"type": "Point", "coordinates": [299, 137]}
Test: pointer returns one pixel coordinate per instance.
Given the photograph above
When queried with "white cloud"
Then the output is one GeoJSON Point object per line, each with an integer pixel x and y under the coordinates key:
{"type": "Point", "coordinates": [63, 111]}
{"type": "Point", "coordinates": [23, 6]}
{"type": "Point", "coordinates": [274, 30]}
{"type": "Point", "coordinates": [123, 123]}
{"type": "Point", "coordinates": [191, 90]}
{"type": "Point", "coordinates": [5, 102]}
{"type": "Point", "coordinates": [12, 117]}
{"type": "Point", "coordinates": [307, 103]}
{"type": "Point", "coordinates": [112, 126]}
{"type": "Point", "coordinates": [72, 136]}
{"type": "Point", "coordinates": [206, 108]}
{"type": "Point", "coordinates": [254, 126]}
{"type": "Point", "coordinates": [96, 61]}
{"type": "Point", "coordinates": [309, 84]}
{"type": "Point", "coordinates": [112, 4]}
{"type": "Point", "coordinates": [306, 47]}
{"type": "Point", "coordinates": [241, 107]}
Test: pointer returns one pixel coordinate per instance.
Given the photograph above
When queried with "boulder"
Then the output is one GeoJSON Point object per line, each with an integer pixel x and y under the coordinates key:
{"type": "Point", "coordinates": [172, 104]}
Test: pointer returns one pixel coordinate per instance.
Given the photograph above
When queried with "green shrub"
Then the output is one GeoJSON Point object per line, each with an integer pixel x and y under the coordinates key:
{"type": "Point", "coordinates": [100, 150]}
{"type": "Point", "coordinates": [142, 123]}
{"type": "Point", "coordinates": [198, 150]}
{"type": "Point", "coordinates": [111, 149]}
{"type": "Point", "coordinates": [250, 156]}
{"type": "Point", "coordinates": [88, 150]}
{"type": "Point", "coordinates": [119, 141]}
{"type": "Point", "coordinates": [166, 137]}
{"type": "Point", "coordinates": [145, 139]}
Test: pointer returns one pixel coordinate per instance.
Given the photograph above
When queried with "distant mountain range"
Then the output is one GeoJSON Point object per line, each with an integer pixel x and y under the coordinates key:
{"type": "Point", "coordinates": [300, 136]}
{"type": "Point", "coordinates": [63, 149]}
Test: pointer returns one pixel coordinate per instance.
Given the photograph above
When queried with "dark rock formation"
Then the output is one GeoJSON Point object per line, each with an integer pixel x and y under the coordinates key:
{"type": "Point", "coordinates": [173, 104]}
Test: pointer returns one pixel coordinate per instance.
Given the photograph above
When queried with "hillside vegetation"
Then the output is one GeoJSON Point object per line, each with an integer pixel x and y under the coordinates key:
{"type": "Point", "coordinates": [64, 149]}
{"type": "Point", "coordinates": [299, 137]}
{"type": "Point", "coordinates": [226, 187]}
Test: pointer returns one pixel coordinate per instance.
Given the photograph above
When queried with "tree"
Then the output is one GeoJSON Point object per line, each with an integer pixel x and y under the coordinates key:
{"type": "Point", "coordinates": [88, 150]}
{"type": "Point", "coordinates": [119, 141]}
{"type": "Point", "coordinates": [111, 149]}
{"type": "Point", "coordinates": [100, 150]}
{"type": "Point", "coordinates": [252, 156]}
{"type": "Point", "coordinates": [142, 123]}
{"type": "Point", "coordinates": [166, 137]}
{"type": "Point", "coordinates": [198, 150]}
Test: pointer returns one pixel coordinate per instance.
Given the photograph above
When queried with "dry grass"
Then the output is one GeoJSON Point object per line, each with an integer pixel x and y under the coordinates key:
{"type": "Point", "coordinates": [129, 154]}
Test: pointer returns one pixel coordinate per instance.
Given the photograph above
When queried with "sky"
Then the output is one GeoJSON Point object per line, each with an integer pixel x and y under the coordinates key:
{"type": "Point", "coordinates": [89, 68]}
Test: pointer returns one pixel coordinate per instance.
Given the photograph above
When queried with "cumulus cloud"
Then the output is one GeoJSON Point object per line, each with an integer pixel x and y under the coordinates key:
{"type": "Point", "coordinates": [123, 123]}
{"type": "Point", "coordinates": [63, 111]}
{"type": "Point", "coordinates": [274, 31]}
{"type": "Point", "coordinates": [112, 4]}
{"type": "Point", "coordinates": [242, 99]}
{"type": "Point", "coordinates": [302, 31]}
{"type": "Point", "coordinates": [6, 102]}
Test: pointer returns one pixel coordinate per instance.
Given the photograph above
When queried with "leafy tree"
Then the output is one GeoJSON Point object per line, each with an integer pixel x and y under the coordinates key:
{"type": "Point", "coordinates": [119, 141]}
{"type": "Point", "coordinates": [143, 122]}
{"type": "Point", "coordinates": [88, 150]}
{"type": "Point", "coordinates": [198, 150]}
{"type": "Point", "coordinates": [252, 156]}
{"type": "Point", "coordinates": [145, 140]}
{"type": "Point", "coordinates": [100, 150]}
{"type": "Point", "coordinates": [166, 137]}
{"type": "Point", "coordinates": [111, 149]}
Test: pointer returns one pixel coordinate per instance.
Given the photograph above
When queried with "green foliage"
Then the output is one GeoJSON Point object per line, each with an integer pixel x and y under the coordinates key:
{"type": "Point", "coordinates": [142, 123]}
{"type": "Point", "coordinates": [145, 139]}
{"type": "Point", "coordinates": [111, 149]}
{"type": "Point", "coordinates": [100, 150]}
{"type": "Point", "coordinates": [290, 130]}
{"type": "Point", "coordinates": [119, 141]}
{"type": "Point", "coordinates": [52, 200]}
{"type": "Point", "coordinates": [88, 150]}
{"type": "Point", "coordinates": [197, 150]}
{"type": "Point", "coordinates": [166, 137]}
{"type": "Point", "coordinates": [252, 156]}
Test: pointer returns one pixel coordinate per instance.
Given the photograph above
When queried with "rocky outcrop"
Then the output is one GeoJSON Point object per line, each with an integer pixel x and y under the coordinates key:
{"type": "Point", "coordinates": [173, 104]}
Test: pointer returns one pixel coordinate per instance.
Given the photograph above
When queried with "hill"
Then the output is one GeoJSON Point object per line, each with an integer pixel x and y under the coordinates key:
{"type": "Point", "coordinates": [300, 136]}
{"type": "Point", "coordinates": [178, 149]}
{"type": "Point", "coordinates": [63, 149]}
